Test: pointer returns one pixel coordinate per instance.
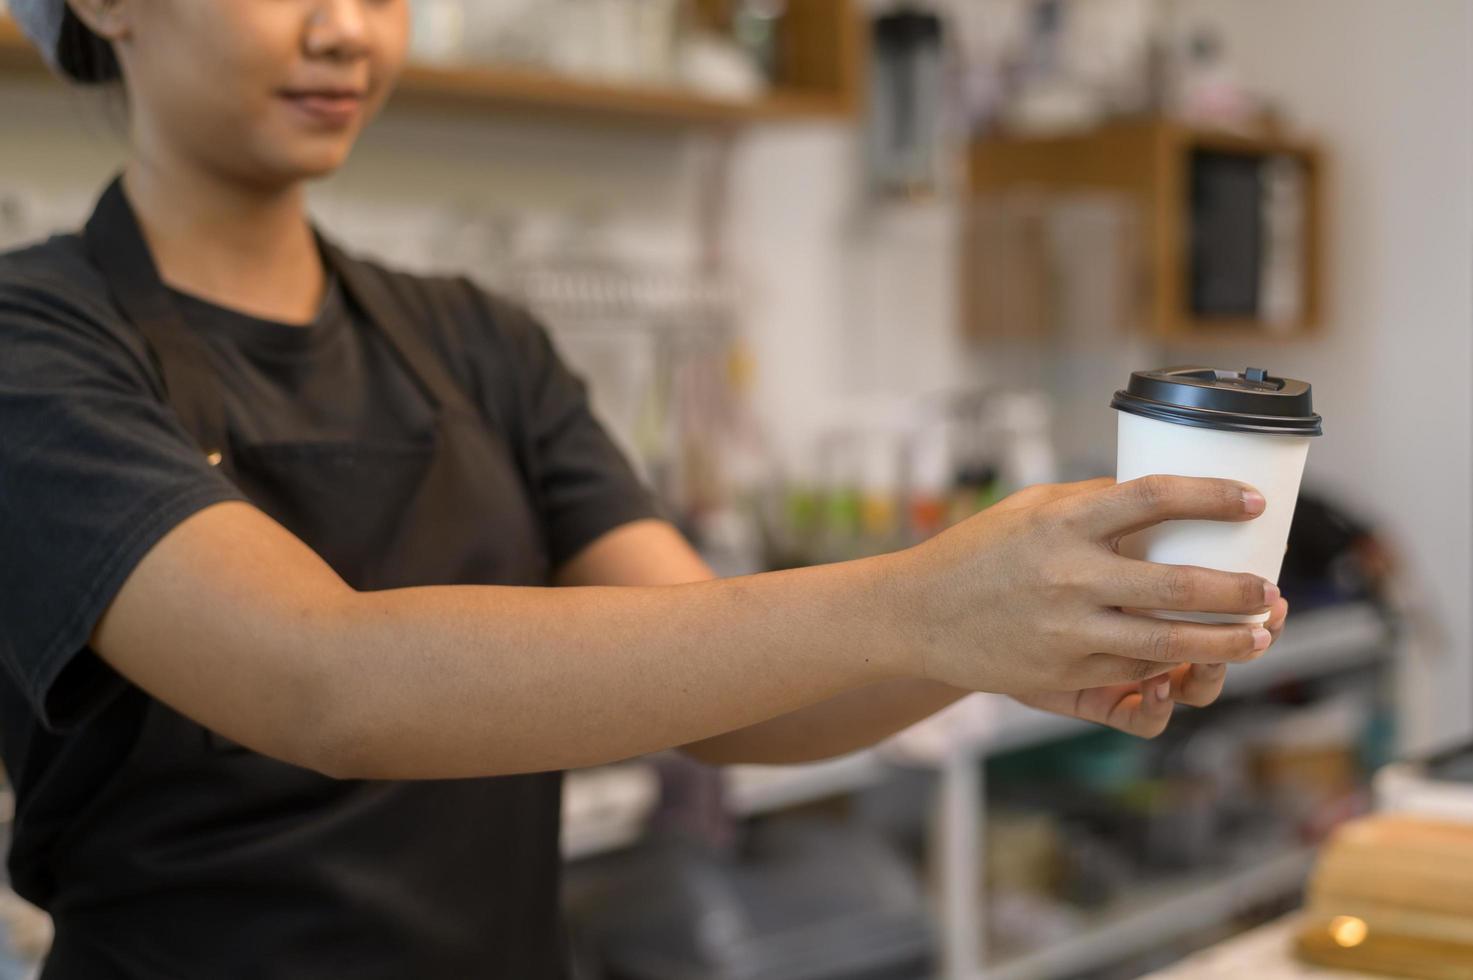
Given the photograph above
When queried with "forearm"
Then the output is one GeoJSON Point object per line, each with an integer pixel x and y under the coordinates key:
{"type": "Point", "coordinates": [845, 723]}
{"type": "Point", "coordinates": [464, 681]}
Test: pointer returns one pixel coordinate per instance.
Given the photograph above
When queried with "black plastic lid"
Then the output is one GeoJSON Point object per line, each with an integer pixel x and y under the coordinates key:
{"type": "Point", "coordinates": [1250, 401]}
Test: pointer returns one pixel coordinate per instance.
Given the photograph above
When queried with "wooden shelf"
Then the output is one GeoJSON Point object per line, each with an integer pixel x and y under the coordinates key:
{"type": "Point", "coordinates": [529, 91]}
{"type": "Point", "coordinates": [1148, 161]}
{"type": "Point", "coordinates": [825, 84]}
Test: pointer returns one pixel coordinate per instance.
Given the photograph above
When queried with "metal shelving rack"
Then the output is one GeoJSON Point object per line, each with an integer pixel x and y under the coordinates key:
{"type": "Point", "coordinates": [1316, 644]}
{"type": "Point", "coordinates": [1191, 902]}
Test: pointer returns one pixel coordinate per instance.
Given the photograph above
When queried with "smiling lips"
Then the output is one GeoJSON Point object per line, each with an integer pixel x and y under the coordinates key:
{"type": "Point", "coordinates": [332, 107]}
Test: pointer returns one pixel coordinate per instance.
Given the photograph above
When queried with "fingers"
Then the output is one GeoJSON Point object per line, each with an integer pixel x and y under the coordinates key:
{"type": "Point", "coordinates": [1143, 710]}
{"type": "Point", "coordinates": [1198, 684]}
{"type": "Point", "coordinates": [1147, 713]}
{"type": "Point", "coordinates": [1129, 507]}
{"type": "Point", "coordinates": [1185, 588]}
{"type": "Point", "coordinates": [1139, 713]}
{"type": "Point", "coordinates": [1168, 642]}
{"type": "Point", "coordinates": [1277, 616]}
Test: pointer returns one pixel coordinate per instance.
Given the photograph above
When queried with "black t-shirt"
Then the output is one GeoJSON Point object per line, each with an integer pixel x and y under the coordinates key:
{"type": "Point", "coordinates": [95, 468]}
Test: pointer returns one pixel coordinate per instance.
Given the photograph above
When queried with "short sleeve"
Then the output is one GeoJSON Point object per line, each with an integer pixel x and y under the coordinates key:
{"type": "Point", "coordinates": [95, 468]}
{"type": "Point", "coordinates": [583, 484]}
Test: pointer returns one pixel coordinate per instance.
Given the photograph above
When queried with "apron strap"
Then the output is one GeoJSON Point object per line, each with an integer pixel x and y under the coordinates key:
{"type": "Point", "coordinates": [116, 244]}
{"type": "Point", "coordinates": [393, 314]}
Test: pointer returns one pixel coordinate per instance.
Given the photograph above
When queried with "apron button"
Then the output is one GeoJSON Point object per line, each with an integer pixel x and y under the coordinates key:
{"type": "Point", "coordinates": [214, 458]}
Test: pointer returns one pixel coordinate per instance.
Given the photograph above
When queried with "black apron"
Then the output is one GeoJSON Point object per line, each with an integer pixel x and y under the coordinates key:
{"type": "Point", "coordinates": [201, 859]}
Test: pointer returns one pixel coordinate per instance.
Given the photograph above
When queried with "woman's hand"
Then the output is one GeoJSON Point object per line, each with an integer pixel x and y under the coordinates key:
{"type": "Point", "coordinates": [1030, 596]}
{"type": "Point", "coordinates": [1144, 709]}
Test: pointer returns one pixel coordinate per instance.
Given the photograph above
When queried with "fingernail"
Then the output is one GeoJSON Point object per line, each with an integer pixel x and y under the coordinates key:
{"type": "Point", "coordinates": [1261, 639]}
{"type": "Point", "coordinates": [1163, 690]}
{"type": "Point", "coordinates": [1253, 502]}
{"type": "Point", "coordinates": [1271, 593]}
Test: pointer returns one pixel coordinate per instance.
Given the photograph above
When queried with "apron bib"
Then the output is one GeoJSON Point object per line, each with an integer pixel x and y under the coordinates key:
{"type": "Point", "coordinates": [200, 858]}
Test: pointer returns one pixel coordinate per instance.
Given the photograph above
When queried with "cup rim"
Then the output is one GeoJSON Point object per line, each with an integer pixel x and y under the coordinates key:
{"type": "Point", "coordinates": [1206, 418]}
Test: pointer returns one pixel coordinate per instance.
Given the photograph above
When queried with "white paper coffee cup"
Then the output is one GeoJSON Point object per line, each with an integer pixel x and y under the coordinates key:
{"type": "Point", "coordinates": [1201, 422]}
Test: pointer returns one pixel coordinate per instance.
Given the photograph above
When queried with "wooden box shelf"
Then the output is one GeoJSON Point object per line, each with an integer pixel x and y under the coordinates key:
{"type": "Point", "coordinates": [1150, 163]}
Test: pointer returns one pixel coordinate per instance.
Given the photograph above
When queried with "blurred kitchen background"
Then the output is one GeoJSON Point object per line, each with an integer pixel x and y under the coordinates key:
{"type": "Point", "coordinates": [843, 273]}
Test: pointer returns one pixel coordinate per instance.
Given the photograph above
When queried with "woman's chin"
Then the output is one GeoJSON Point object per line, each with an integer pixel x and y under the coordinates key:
{"type": "Point", "coordinates": [307, 163]}
{"type": "Point", "coordinates": [321, 167]}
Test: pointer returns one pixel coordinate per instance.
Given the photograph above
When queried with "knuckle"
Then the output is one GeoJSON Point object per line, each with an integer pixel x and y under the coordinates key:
{"type": "Point", "coordinates": [1055, 631]}
{"type": "Point", "coordinates": [1066, 515]}
{"type": "Point", "coordinates": [1140, 670]}
{"type": "Point", "coordinates": [1244, 643]}
{"type": "Point", "coordinates": [1039, 521]}
{"type": "Point", "coordinates": [1250, 591]}
{"type": "Point", "coordinates": [1204, 684]}
{"type": "Point", "coordinates": [1064, 579]}
{"type": "Point", "coordinates": [1049, 582]}
{"type": "Point", "coordinates": [1067, 578]}
{"type": "Point", "coordinates": [1166, 643]}
{"type": "Point", "coordinates": [1031, 496]}
{"type": "Point", "coordinates": [1178, 586]}
{"type": "Point", "coordinates": [1150, 491]}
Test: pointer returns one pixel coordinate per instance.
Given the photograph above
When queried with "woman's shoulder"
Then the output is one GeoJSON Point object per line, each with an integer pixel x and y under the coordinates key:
{"type": "Point", "coordinates": [51, 292]}
{"type": "Point", "coordinates": [57, 277]}
{"type": "Point", "coordinates": [58, 264]}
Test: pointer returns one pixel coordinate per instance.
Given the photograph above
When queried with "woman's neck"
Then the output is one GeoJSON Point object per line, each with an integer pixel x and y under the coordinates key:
{"type": "Point", "coordinates": [247, 248]}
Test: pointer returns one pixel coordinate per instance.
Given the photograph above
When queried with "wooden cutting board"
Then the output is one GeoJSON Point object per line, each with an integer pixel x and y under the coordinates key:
{"type": "Point", "coordinates": [1394, 895]}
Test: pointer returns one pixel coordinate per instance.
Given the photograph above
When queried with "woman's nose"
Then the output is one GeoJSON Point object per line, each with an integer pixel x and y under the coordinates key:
{"type": "Point", "coordinates": [337, 28]}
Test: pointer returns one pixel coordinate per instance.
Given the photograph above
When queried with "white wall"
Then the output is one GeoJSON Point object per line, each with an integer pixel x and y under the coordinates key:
{"type": "Point", "coordinates": [1387, 88]}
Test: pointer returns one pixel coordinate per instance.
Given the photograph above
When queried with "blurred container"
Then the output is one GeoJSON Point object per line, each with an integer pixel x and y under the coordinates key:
{"type": "Point", "coordinates": [438, 32]}
{"type": "Point", "coordinates": [757, 27]}
{"type": "Point", "coordinates": [1440, 786]}
{"type": "Point", "coordinates": [906, 125]}
{"type": "Point", "coordinates": [1308, 761]}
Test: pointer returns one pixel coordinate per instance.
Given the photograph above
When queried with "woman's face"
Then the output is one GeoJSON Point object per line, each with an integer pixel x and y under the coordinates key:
{"type": "Point", "coordinates": [265, 91]}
